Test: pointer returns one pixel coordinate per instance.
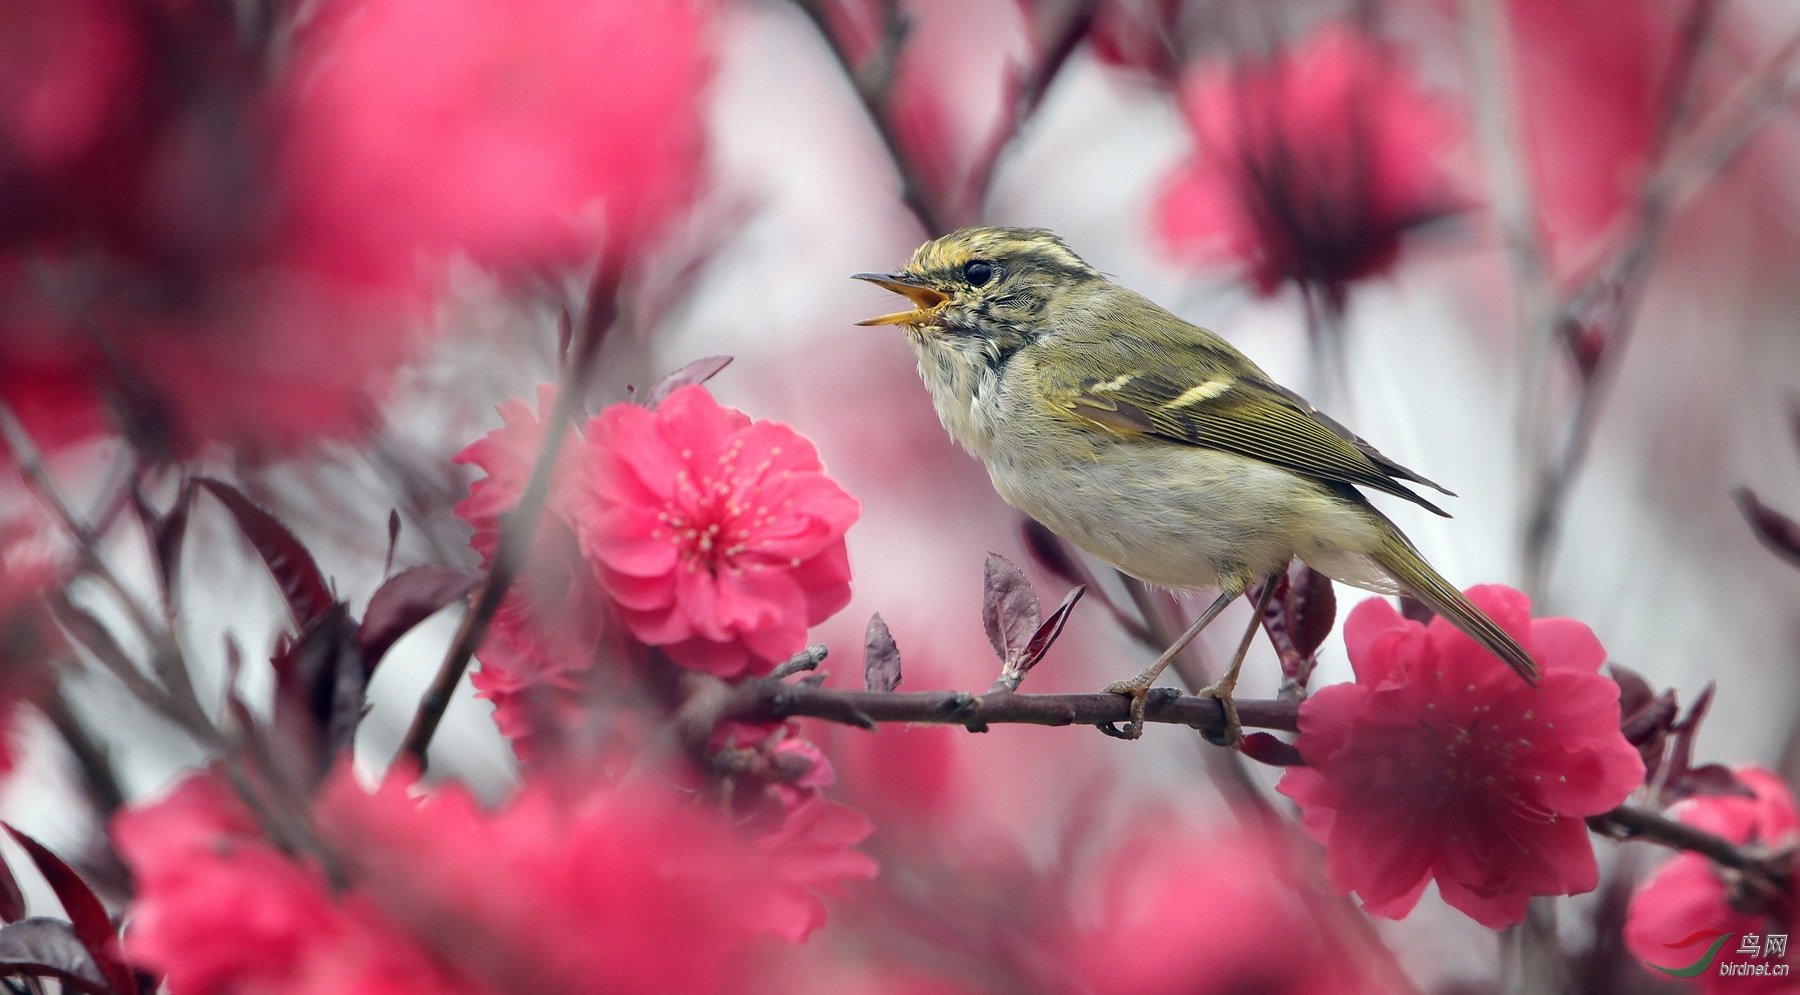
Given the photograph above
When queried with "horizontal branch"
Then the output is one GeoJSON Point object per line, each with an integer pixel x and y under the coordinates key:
{"type": "Point", "coordinates": [772, 698]}
{"type": "Point", "coordinates": [768, 699]}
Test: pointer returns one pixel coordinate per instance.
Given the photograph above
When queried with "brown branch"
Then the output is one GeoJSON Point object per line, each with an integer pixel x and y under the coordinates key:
{"type": "Point", "coordinates": [1066, 27]}
{"type": "Point", "coordinates": [770, 700]}
{"type": "Point", "coordinates": [873, 81]}
{"type": "Point", "coordinates": [1769, 874]}
{"type": "Point", "coordinates": [520, 525]}
{"type": "Point", "coordinates": [1683, 169]}
{"type": "Point", "coordinates": [767, 699]}
{"type": "Point", "coordinates": [941, 211]}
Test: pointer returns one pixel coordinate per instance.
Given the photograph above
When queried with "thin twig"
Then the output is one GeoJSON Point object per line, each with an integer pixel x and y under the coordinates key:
{"type": "Point", "coordinates": [1682, 172]}
{"type": "Point", "coordinates": [1067, 27]}
{"type": "Point", "coordinates": [166, 659]}
{"type": "Point", "coordinates": [873, 80]}
{"type": "Point", "coordinates": [1628, 822]}
{"type": "Point", "coordinates": [520, 526]}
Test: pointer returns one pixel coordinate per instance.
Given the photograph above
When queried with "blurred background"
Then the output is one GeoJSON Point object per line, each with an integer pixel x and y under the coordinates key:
{"type": "Point", "coordinates": [1545, 252]}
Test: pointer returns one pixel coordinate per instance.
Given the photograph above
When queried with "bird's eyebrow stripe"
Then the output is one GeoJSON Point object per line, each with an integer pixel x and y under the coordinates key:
{"type": "Point", "coordinates": [1200, 392]}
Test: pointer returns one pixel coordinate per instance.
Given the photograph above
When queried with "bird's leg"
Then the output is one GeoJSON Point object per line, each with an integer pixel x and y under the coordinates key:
{"type": "Point", "coordinates": [1139, 687]}
{"type": "Point", "coordinates": [1221, 689]}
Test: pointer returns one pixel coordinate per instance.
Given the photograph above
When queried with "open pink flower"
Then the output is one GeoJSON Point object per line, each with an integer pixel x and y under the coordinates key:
{"type": "Point", "coordinates": [1438, 762]}
{"type": "Point", "coordinates": [720, 539]}
{"type": "Point", "coordinates": [1686, 905]}
{"type": "Point", "coordinates": [1312, 165]}
{"type": "Point", "coordinates": [503, 129]}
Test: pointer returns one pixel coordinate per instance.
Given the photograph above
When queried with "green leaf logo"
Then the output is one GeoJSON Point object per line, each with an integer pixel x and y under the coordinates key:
{"type": "Point", "coordinates": [1700, 966]}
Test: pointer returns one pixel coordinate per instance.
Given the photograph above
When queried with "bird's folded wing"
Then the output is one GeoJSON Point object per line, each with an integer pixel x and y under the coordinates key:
{"type": "Point", "coordinates": [1197, 400]}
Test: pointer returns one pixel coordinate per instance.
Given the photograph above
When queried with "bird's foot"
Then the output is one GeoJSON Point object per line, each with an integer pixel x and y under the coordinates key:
{"type": "Point", "coordinates": [1139, 690]}
{"type": "Point", "coordinates": [1233, 734]}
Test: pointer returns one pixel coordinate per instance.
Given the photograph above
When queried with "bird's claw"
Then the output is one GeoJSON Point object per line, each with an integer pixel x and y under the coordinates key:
{"type": "Point", "coordinates": [1232, 735]}
{"type": "Point", "coordinates": [1139, 690]}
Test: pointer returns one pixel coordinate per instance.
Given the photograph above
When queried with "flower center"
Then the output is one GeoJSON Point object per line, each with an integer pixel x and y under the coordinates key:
{"type": "Point", "coordinates": [711, 519]}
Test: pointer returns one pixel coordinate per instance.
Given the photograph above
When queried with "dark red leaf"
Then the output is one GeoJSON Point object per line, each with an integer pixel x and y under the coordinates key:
{"type": "Point", "coordinates": [698, 371]}
{"type": "Point", "coordinates": [1416, 610]}
{"type": "Point", "coordinates": [1635, 693]}
{"type": "Point", "coordinates": [881, 657]}
{"type": "Point", "coordinates": [87, 916]}
{"type": "Point", "coordinates": [1653, 720]}
{"type": "Point", "coordinates": [1707, 779]}
{"type": "Point", "coordinates": [1264, 748]}
{"type": "Point", "coordinates": [288, 561]}
{"type": "Point", "coordinates": [319, 684]}
{"type": "Point", "coordinates": [1681, 744]}
{"type": "Point", "coordinates": [1009, 607]}
{"type": "Point", "coordinates": [12, 900]}
{"type": "Point", "coordinates": [387, 564]}
{"type": "Point", "coordinates": [48, 948]}
{"type": "Point", "coordinates": [403, 601]}
{"type": "Point", "coordinates": [1299, 616]}
{"type": "Point", "coordinates": [1775, 530]}
{"type": "Point", "coordinates": [1047, 633]}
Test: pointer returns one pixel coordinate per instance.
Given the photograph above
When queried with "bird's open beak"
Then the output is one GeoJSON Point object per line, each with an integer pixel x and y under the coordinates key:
{"type": "Point", "coordinates": [910, 287]}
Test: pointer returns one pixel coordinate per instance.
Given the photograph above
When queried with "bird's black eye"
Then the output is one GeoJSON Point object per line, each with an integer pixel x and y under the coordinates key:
{"type": "Point", "coordinates": [978, 273]}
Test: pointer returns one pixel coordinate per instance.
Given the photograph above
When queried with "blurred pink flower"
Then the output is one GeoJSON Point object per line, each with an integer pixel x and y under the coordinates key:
{"type": "Point", "coordinates": [150, 283]}
{"type": "Point", "coordinates": [720, 539]}
{"type": "Point", "coordinates": [635, 890]}
{"type": "Point", "coordinates": [1183, 912]}
{"type": "Point", "coordinates": [508, 130]}
{"type": "Point", "coordinates": [1312, 165]}
{"type": "Point", "coordinates": [1438, 762]}
{"type": "Point", "coordinates": [631, 890]}
{"type": "Point", "coordinates": [1588, 155]}
{"type": "Point", "coordinates": [545, 635]}
{"type": "Point", "coordinates": [219, 910]}
{"type": "Point", "coordinates": [1687, 903]}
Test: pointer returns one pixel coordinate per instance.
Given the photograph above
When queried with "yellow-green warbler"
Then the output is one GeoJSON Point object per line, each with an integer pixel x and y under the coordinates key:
{"type": "Point", "coordinates": [1151, 442]}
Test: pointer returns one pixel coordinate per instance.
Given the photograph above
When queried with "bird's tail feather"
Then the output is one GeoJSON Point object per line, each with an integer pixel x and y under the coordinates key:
{"type": "Point", "coordinates": [1417, 578]}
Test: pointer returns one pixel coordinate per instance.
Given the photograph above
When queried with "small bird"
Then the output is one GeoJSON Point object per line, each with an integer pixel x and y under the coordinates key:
{"type": "Point", "coordinates": [1151, 442]}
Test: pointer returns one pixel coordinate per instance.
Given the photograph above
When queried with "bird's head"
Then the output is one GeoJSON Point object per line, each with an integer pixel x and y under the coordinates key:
{"type": "Point", "coordinates": [992, 283]}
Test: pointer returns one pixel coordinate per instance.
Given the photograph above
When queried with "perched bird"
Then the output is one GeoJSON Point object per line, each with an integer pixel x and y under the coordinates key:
{"type": "Point", "coordinates": [1151, 442]}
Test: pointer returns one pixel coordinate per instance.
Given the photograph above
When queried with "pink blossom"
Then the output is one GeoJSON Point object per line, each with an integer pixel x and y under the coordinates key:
{"type": "Point", "coordinates": [1311, 166]}
{"type": "Point", "coordinates": [509, 130]}
{"type": "Point", "coordinates": [720, 539]}
{"type": "Point", "coordinates": [544, 637]}
{"type": "Point", "coordinates": [1687, 903]}
{"type": "Point", "coordinates": [219, 910]}
{"type": "Point", "coordinates": [1439, 763]}
{"type": "Point", "coordinates": [632, 890]}
{"type": "Point", "coordinates": [1183, 912]}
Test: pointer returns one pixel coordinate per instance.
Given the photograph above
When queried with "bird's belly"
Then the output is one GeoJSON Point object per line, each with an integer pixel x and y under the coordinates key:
{"type": "Point", "coordinates": [1186, 517]}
